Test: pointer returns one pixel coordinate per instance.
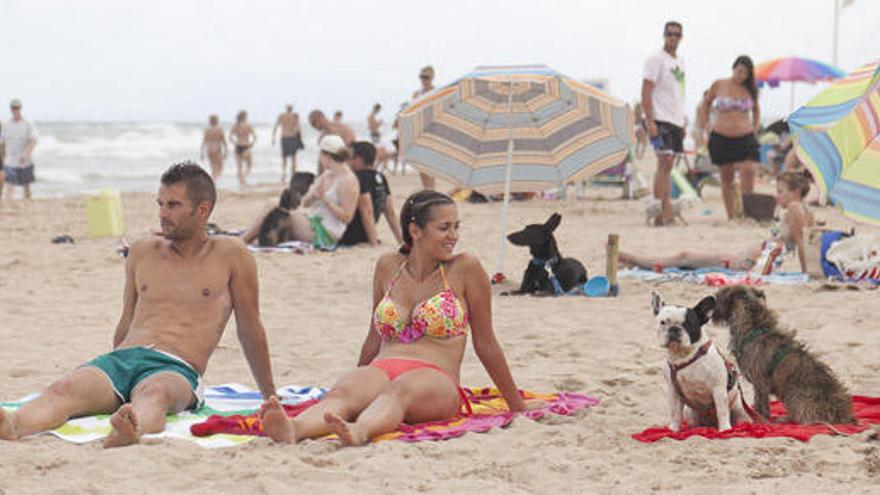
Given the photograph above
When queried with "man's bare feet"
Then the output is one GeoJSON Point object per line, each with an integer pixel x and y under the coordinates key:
{"type": "Point", "coordinates": [275, 423]}
{"type": "Point", "coordinates": [8, 431]}
{"type": "Point", "coordinates": [125, 428]}
{"type": "Point", "coordinates": [348, 433]}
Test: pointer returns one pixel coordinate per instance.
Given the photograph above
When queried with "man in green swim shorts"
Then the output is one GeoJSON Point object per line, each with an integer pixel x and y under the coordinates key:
{"type": "Point", "coordinates": [180, 290]}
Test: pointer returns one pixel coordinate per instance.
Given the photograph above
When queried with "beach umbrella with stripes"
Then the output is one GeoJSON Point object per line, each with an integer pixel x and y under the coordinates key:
{"type": "Point", "coordinates": [515, 128]}
{"type": "Point", "coordinates": [837, 135]}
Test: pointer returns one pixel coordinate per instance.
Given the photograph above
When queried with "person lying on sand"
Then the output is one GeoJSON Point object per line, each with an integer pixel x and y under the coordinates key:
{"type": "Point", "coordinates": [791, 189]}
{"type": "Point", "coordinates": [426, 300]}
{"type": "Point", "coordinates": [179, 292]}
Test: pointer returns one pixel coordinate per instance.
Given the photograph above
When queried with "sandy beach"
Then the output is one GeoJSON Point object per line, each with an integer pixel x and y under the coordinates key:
{"type": "Point", "coordinates": [59, 305]}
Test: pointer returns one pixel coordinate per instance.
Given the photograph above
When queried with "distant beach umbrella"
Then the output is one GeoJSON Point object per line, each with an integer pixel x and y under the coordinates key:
{"type": "Point", "coordinates": [519, 128]}
{"type": "Point", "coordinates": [795, 69]}
{"type": "Point", "coordinates": [837, 135]}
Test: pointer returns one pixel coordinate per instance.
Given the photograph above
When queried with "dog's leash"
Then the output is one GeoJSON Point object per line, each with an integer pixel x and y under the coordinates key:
{"type": "Point", "coordinates": [557, 287]}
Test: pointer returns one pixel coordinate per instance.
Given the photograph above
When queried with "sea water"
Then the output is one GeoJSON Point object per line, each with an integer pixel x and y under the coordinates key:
{"type": "Point", "coordinates": [84, 157]}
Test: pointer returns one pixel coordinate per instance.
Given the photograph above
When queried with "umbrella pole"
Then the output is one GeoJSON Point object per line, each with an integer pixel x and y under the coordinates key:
{"type": "Point", "coordinates": [499, 267]}
{"type": "Point", "coordinates": [791, 106]}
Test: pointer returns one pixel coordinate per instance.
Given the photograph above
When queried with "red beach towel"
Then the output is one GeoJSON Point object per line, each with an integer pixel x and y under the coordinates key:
{"type": "Point", "coordinates": [866, 410]}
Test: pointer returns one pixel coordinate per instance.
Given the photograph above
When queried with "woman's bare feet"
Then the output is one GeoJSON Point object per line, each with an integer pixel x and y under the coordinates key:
{"type": "Point", "coordinates": [8, 431]}
{"type": "Point", "coordinates": [348, 433]}
{"type": "Point", "coordinates": [125, 428]}
{"type": "Point", "coordinates": [275, 423]}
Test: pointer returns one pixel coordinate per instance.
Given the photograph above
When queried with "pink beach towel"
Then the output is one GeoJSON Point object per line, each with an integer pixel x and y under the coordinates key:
{"type": "Point", "coordinates": [489, 411]}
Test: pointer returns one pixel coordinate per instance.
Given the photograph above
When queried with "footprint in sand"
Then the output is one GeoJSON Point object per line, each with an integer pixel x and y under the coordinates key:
{"type": "Point", "coordinates": [872, 462]}
{"type": "Point", "coordinates": [617, 382]}
{"type": "Point", "coordinates": [569, 384]}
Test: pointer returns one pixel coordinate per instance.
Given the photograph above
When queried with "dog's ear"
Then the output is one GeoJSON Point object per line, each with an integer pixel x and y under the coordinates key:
{"type": "Point", "coordinates": [656, 302]}
{"type": "Point", "coordinates": [705, 308]}
{"type": "Point", "coordinates": [552, 222]}
{"type": "Point", "coordinates": [722, 304]}
{"type": "Point", "coordinates": [760, 295]}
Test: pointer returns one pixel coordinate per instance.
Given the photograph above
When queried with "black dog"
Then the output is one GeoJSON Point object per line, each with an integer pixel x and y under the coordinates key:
{"type": "Point", "coordinates": [548, 271]}
{"type": "Point", "coordinates": [300, 182]}
{"type": "Point", "coordinates": [276, 227]}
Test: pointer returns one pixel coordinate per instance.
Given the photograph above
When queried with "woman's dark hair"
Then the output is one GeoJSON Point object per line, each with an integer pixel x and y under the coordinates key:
{"type": "Point", "coordinates": [797, 181]}
{"type": "Point", "coordinates": [749, 83]}
{"type": "Point", "coordinates": [274, 230]}
{"type": "Point", "coordinates": [417, 209]}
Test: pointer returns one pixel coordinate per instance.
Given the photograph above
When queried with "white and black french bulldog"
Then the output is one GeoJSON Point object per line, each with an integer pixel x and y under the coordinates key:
{"type": "Point", "coordinates": [702, 384]}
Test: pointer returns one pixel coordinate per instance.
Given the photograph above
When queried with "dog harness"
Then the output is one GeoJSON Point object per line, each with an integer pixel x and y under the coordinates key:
{"type": "Point", "coordinates": [758, 332]}
{"type": "Point", "coordinates": [675, 368]}
{"type": "Point", "coordinates": [548, 265]}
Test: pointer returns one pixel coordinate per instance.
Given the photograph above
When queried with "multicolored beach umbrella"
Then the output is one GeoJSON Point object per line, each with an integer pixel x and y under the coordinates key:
{"type": "Point", "coordinates": [519, 128]}
{"type": "Point", "coordinates": [795, 69]}
{"type": "Point", "coordinates": [837, 135]}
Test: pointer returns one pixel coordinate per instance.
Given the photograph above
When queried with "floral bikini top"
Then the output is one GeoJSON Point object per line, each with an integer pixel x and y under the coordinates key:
{"type": "Point", "coordinates": [440, 316]}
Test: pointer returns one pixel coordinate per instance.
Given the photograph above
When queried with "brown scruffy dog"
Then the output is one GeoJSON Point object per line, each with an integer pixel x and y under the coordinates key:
{"type": "Point", "coordinates": [776, 363]}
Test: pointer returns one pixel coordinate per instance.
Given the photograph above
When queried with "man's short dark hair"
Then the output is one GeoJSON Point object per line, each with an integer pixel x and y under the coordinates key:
{"type": "Point", "coordinates": [199, 185]}
{"type": "Point", "coordinates": [672, 23]}
{"type": "Point", "coordinates": [366, 151]}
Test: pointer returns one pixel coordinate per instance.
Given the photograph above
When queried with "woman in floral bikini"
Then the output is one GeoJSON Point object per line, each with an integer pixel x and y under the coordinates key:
{"type": "Point", "coordinates": [426, 300]}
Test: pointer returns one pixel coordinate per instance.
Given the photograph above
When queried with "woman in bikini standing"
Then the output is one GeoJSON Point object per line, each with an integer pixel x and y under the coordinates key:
{"type": "Point", "coordinates": [242, 135]}
{"type": "Point", "coordinates": [732, 143]}
{"type": "Point", "coordinates": [426, 300]}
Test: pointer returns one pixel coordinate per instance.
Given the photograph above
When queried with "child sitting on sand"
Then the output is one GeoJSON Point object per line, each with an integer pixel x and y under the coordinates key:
{"type": "Point", "coordinates": [791, 188]}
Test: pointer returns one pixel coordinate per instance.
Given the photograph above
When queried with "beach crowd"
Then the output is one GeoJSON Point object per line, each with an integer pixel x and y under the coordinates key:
{"type": "Point", "coordinates": [182, 286]}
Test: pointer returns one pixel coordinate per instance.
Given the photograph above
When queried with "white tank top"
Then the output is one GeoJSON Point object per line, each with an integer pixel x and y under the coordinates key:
{"type": "Point", "coordinates": [335, 227]}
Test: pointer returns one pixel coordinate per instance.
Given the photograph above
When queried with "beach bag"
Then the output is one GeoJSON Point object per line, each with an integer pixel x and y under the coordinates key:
{"type": "Point", "coordinates": [857, 257]}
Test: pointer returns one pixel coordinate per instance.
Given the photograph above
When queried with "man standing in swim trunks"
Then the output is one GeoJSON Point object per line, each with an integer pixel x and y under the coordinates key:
{"type": "Point", "coordinates": [180, 290]}
{"type": "Point", "coordinates": [319, 121]}
{"type": "Point", "coordinates": [663, 104]}
{"type": "Point", "coordinates": [291, 139]}
{"type": "Point", "coordinates": [375, 124]}
{"type": "Point", "coordinates": [244, 138]}
{"type": "Point", "coordinates": [19, 137]}
{"type": "Point", "coordinates": [214, 145]}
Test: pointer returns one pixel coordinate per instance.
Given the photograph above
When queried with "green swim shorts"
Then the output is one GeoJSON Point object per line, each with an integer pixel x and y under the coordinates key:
{"type": "Point", "coordinates": [125, 368]}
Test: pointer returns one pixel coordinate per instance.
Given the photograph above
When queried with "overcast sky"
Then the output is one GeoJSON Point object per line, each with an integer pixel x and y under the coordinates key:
{"type": "Point", "coordinates": [183, 59]}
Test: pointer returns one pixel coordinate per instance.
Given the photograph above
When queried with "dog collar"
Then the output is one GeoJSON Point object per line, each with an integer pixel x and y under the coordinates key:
{"type": "Point", "coordinates": [675, 368]}
{"type": "Point", "coordinates": [778, 356]}
{"type": "Point", "coordinates": [548, 265]}
{"type": "Point", "coordinates": [752, 335]}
